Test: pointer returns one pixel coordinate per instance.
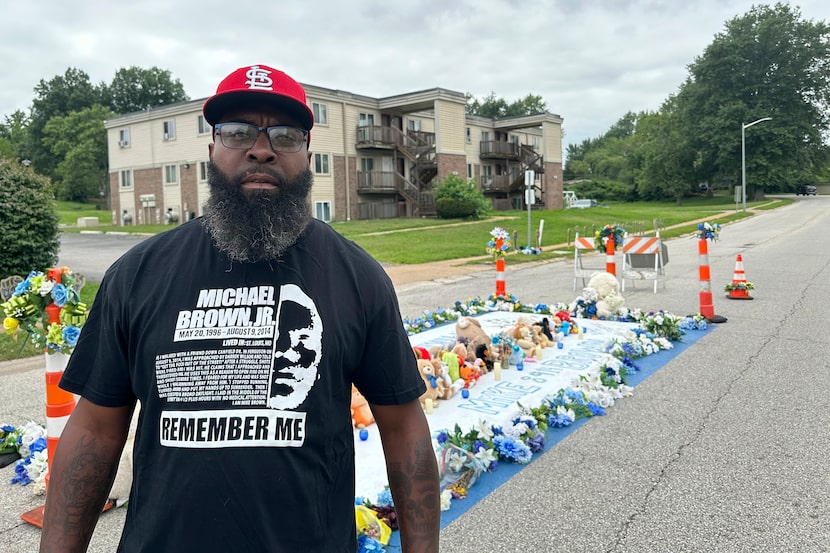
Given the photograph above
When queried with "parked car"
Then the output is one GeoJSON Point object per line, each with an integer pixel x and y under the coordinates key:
{"type": "Point", "coordinates": [805, 189]}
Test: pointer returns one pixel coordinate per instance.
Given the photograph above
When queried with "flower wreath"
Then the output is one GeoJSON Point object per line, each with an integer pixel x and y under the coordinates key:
{"type": "Point", "coordinates": [48, 307]}
{"type": "Point", "coordinates": [738, 286]}
{"type": "Point", "coordinates": [706, 231]}
{"type": "Point", "coordinates": [608, 230]}
{"type": "Point", "coordinates": [499, 244]}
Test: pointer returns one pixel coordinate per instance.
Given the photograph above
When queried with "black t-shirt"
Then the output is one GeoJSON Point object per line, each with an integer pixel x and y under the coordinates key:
{"type": "Point", "coordinates": [244, 373]}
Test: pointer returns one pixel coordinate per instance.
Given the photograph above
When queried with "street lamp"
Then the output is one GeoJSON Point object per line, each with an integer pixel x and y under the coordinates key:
{"type": "Point", "coordinates": [743, 155]}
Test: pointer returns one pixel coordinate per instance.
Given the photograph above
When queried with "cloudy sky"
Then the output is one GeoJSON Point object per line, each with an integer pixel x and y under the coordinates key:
{"type": "Point", "coordinates": [591, 60]}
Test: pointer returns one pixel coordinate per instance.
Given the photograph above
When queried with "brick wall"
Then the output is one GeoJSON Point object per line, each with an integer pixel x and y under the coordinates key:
{"type": "Point", "coordinates": [553, 186]}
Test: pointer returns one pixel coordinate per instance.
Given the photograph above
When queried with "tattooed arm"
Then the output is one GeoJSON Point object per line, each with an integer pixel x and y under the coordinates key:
{"type": "Point", "coordinates": [81, 475]}
{"type": "Point", "coordinates": [413, 474]}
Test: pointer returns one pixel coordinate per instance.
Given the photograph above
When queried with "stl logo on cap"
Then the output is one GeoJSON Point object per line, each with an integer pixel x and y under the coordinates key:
{"type": "Point", "coordinates": [259, 78]}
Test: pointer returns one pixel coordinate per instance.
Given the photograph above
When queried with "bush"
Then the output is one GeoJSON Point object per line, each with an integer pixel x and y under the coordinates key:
{"type": "Point", "coordinates": [452, 208]}
{"type": "Point", "coordinates": [460, 198]}
{"type": "Point", "coordinates": [28, 221]}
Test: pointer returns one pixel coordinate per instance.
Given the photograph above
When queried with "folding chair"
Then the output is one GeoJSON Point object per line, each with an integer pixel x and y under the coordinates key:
{"type": "Point", "coordinates": [644, 258]}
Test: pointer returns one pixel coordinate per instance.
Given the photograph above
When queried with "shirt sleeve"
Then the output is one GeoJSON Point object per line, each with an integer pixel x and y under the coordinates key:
{"type": "Point", "coordinates": [98, 368]}
{"type": "Point", "coordinates": [388, 373]}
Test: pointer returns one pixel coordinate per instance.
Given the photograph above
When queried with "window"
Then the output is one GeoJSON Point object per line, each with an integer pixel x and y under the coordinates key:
{"type": "Point", "coordinates": [204, 126]}
{"type": "Point", "coordinates": [536, 143]}
{"type": "Point", "coordinates": [168, 130]}
{"type": "Point", "coordinates": [367, 164]}
{"type": "Point", "coordinates": [514, 138]}
{"type": "Point", "coordinates": [322, 211]}
{"type": "Point", "coordinates": [321, 113]}
{"type": "Point", "coordinates": [203, 171]}
{"type": "Point", "coordinates": [123, 138]}
{"type": "Point", "coordinates": [485, 136]}
{"type": "Point", "coordinates": [321, 164]}
{"type": "Point", "coordinates": [486, 170]}
{"type": "Point", "coordinates": [126, 178]}
{"type": "Point", "coordinates": [469, 170]}
{"type": "Point", "coordinates": [414, 125]}
{"type": "Point", "coordinates": [171, 174]}
{"type": "Point", "coordinates": [469, 135]}
{"type": "Point", "coordinates": [366, 120]}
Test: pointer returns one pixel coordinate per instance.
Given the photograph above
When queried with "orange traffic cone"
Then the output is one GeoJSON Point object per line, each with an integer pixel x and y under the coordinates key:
{"type": "Point", "coordinates": [739, 288]}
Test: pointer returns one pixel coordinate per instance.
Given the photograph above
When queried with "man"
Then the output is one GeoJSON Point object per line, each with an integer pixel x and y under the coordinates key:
{"type": "Point", "coordinates": [241, 333]}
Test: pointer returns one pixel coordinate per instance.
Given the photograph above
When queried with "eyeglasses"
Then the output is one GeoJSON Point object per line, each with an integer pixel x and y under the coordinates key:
{"type": "Point", "coordinates": [242, 136]}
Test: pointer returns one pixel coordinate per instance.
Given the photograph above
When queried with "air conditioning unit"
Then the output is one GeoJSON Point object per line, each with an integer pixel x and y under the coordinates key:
{"type": "Point", "coordinates": [123, 143]}
{"type": "Point", "coordinates": [166, 136]}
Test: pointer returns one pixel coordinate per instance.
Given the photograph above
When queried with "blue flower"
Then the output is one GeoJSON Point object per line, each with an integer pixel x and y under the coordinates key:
{"type": "Point", "coordinates": [365, 544]}
{"type": "Point", "coordinates": [478, 445]}
{"type": "Point", "coordinates": [38, 445]}
{"type": "Point", "coordinates": [22, 288]}
{"type": "Point", "coordinates": [385, 498]}
{"type": "Point", "coordinates": [512, 450]}
{"type": "Point", "coordinates": [559, 421]}
{"type": "Point", "coordinates": [359, 501]}
{"type": "Point", "coordinates": [537, 442]}
{"type": "Point", "coordinates": [443, 437]}
{"type": "Point", "coordinates": [70, 335]}
{"type": "Point", "coordinates": [7, 428]}
{"type": "Point", "coordinates": [60, 294]}
{"type": "Point", "coordinates": [595, 409]}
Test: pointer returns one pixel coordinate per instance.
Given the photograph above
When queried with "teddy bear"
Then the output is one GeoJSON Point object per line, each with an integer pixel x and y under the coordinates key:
{"type": "Point", "coordinates": [523, 337]}
{"type": "Point", "coordinates": [469, 328]}
{"type": "Point", "coordinates": [434, 384]}
{"type": "Point", "coordinates": [607, 287]}
{"type": "Point", "coordinates": [361, 413]}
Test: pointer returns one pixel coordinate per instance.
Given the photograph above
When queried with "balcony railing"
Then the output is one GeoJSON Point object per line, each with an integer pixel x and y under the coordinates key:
{"type": "Point", "coordinates": [499, 149]}
{"type": "Point", "coordinates": [497, 183]}
{"type": "Point", "coordinates": [377, 181]}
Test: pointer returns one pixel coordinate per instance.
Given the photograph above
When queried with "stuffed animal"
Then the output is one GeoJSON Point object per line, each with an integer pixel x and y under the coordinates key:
{"type": "Point", "coordinates": [610, 301]}
{"type": "Point", "coordinates": [485, 355]}
{"type": "Point", "coordinates": [361, 413]}
{"type": "Point", "coordinates": [470, 329]}
{"type": "Point", "coordinates": [470, 373]}
{"type": "Point", "coordinates": [435, 385]}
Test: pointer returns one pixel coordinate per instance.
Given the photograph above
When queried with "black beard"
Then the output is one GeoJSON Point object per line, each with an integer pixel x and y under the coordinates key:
{"type": "Point", "coordinates": [259, 225]}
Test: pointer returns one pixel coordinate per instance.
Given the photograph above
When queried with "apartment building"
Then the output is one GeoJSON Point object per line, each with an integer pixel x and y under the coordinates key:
{"type": "Point", "coordinates": [371, 157]}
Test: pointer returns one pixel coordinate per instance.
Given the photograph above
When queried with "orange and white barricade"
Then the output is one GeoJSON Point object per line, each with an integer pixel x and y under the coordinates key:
{"type": "Point", "coordinates": [643, 259]}
{"type": "Point", "coordinates": [583, 245]}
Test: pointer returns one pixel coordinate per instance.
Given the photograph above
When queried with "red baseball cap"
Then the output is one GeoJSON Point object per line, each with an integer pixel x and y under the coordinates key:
{"type": "Point", "coordinates": [263, 84]}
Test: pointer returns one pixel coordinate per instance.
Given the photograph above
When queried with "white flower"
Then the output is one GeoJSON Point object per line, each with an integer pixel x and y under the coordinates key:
{"type": "Point", "coordinates": [446, 499]}
{"type": "Point", "coordinates": [485, 429]}
{"type": "Point", "coordinates": [486, 456]}
{"type": "Point", "coordinates": [456, 461]}
{"type": "Point", "coordinates": [45, 287]}
{"type": "Point", "coordinates": [560, 410]}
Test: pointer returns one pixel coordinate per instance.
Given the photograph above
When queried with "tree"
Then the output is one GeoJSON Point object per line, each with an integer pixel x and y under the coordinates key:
{"type": "Point", "coordinates": [494, 107]}
{"type": "Point", "coordinates": [28, 221]}
{"type": "Point", "coordinates": [79, 141]}
{"type": "Point", "coordinates": [14, 136]}
{"type": "Point", "coordinates": [59, 96]}
{"type": "Point", "coordinates": [767, 63]}
{"type": "Point", "coordinates": [136, 89]}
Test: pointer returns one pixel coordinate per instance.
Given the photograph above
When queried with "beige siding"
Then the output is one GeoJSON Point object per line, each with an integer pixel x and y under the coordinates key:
{"type": "Point", "coordinates": [552, 140]}
{"type": "Point", "coordinates": [449, 127]}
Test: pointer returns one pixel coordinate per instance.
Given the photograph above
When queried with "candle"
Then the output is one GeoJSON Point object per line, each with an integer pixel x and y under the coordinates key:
{"type": "Point", "coordinates": [428, 405]}
{"type": "Point", "coordinates": [364, 434]}
{"type": "Point", "coordinates": [465, 393]}
{"type": "Point", "coordinates": [560, 345]}
{"type": "Point", "coordinates": [497, 370]}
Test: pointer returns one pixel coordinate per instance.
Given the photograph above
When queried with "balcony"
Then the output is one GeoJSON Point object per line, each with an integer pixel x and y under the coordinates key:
{"type": "Point", "coordinates": [378, 182]}
{"type": "Point", "coordinates": [497, 183]}
{"type": "Point", "coordinates": [499, 149]}
{"type": "Point", "coordinates": [375, 136]}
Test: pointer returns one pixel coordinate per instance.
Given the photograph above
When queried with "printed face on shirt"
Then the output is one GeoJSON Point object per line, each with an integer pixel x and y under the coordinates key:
{"type": "Point", "coordinates": [298, 344]}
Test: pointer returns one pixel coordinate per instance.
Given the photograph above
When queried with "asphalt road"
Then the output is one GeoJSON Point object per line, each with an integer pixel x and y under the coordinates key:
{"type": "Point", "coordinates": [722, 450]}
